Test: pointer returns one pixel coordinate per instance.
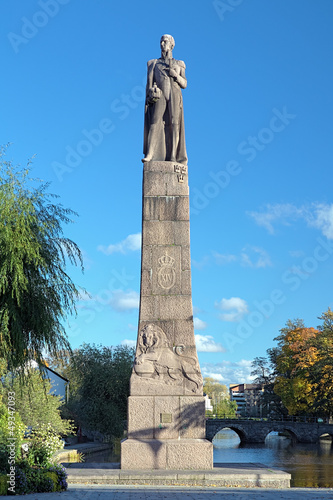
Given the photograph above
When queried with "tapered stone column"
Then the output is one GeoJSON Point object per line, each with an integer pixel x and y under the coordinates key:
{"type": "Point", "coordinates": [166, 407]}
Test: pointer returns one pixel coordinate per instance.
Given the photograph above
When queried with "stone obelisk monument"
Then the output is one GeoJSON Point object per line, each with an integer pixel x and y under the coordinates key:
{"type": "Point", "coordinates": [166, 407]}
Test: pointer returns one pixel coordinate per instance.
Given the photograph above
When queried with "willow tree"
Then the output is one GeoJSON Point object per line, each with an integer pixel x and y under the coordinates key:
{"type": "Point", "coordinates": [36, 293]}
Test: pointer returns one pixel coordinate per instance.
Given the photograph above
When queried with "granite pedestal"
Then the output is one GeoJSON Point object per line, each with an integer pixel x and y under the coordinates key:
{"type": "Point", "coordinates": [166, 408]}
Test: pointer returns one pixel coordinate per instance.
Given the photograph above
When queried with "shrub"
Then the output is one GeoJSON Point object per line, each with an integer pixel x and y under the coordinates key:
{"type": "Point", "coordinates": [9, 429]}
{"type": "Point", "coordinates": [44, 442]}
{"type": "Point", "coordinates": [3, 484]}
{"type": "Point", "coordinates": [21, 483]}
{"type": "Point", "coordinates": [54, 478]}
{"type": "Point", "coordinates": [35, 402]}
{"type": "Point", "coordinates": [3, 460]}
{"type": "Point", "coordinates": [38, 482]}
{"type": "Point", "coordinates": [32, 479]}
{"type": "Point", "coordinates": [62, 475]}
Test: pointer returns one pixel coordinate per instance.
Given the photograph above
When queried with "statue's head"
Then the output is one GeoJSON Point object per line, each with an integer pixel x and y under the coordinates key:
{"type": "Point", "coordinates": [167, 39]}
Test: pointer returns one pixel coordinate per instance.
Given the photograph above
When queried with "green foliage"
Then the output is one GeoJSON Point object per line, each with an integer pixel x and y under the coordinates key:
{"type": "Point", "coordinates": [36, 293]}
{"type": "Point", "coordinates": [225, 409]}
{"type": "Point", "coordinates": [43, 442]}
{"type": "Point", "coordinates": [3, 484]}
{"type": "Point", "coordinates": [321, 373]}
{"type": "Point", "coordinates": [214, 390]}
{"type": "Point", "coordinates": [32, 479]}
{"type": "Point", "coordinates": [219, 394]}
{"type": "Point", "coordinates": [39, 481]}
{"type": "Point", "coordinates": [264, 371]}
{"type": "Point", "coordinates": [11, 431]}
{"type": "Point", "coordinates": [100, 387]}
{"type": "Point", "coordinates": [54, 478]}
{"type": "Point", "coordinates": [34, 403]}
{"type": "Point", "coordinates": [61, 475]}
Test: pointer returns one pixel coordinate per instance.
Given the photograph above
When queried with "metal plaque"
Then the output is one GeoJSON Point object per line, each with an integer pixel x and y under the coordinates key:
{"type": "Point", "coordinates": [166, 418]}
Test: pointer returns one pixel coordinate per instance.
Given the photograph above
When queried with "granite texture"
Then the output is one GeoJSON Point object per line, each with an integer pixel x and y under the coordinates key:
{"type": "Point", "coordinates": [166, 408]}
{"type": "Point", "coordinates": [169, 454]}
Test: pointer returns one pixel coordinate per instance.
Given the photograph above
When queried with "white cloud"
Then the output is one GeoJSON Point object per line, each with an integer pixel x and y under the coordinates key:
{"type": "Point", "coordinates": [222, 259]}
{"type": "Point", "coordinates": [123, 301]}
{"type": "Point", "coordinates": [131, 243]}
{"type": "Point", "coordinates": [216, 376]}
{"type": "Point", "coordinates": [200, 264]}
{"type": "Point", "coordinates": [283, 213]}
{"type": "Point", "coordinates": [235, 306]}
{"type": "Point", "coordinates": [229, 372]}
{"type": "Point", "coordinates": [128, 342]}
{"type": "Point", "coordinates": [255, 257]}
{"type": "Point", "coordinates": [318, 215]}
{"type": "Point", "coordinates": [199, 324]}
{"type": "Point", "coordinates": [323, 219]}
{"type": "Point", "coordinates": [206, 343]}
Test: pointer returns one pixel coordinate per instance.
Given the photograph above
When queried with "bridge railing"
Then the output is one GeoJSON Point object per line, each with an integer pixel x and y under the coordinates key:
{"type": "Point", "coordinates": [278, 418]}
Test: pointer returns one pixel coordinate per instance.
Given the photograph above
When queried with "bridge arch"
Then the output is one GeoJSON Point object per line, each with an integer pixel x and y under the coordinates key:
{"type": "Point", "coordinates": [214, 429]}
{"type": "Point", "coordinates": [282, 428]}
{"type": "Point", "coordinates": [323, 434]}
{"type": "Point", "coordinates": [240, 432]}
{"type": "Point", "coordinates": [254, 431]}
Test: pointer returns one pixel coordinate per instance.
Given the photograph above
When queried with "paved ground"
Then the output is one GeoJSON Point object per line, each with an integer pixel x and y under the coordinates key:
{"type": "Point", "coordinates": [98, 492]}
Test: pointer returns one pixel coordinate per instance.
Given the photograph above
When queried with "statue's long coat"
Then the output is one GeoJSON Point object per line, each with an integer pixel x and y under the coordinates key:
{"type": "Point", "coordinates": [157, 73]}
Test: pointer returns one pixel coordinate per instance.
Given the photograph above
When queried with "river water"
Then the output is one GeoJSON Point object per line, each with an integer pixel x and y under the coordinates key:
{"type": "Point", "coordinates": [310, 465]}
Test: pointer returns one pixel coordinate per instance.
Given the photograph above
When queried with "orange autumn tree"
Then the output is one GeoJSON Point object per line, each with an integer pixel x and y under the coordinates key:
{"type": "Point", "coordinates": [304, 367]}
{"type": "Point", "coordinates": [293, 363]}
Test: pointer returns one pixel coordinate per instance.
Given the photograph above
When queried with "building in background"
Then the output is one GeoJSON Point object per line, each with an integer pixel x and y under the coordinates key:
{"type": "Point", "coordinates": [59, 384]}
{"type": "Point", "coordinates": [208, 403]}
{"type": "Point", "coordinates": [248, 399]}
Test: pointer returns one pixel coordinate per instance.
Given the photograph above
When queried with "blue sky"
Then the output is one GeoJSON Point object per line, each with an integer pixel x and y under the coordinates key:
{"type": "Point", "coordinates": [258, 124]}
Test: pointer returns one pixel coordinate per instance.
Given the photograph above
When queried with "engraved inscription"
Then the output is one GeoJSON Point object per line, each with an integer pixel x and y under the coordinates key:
{"type": "Point", "coordinates": [166, 418]}
{"type": "Point", "coordinates": [180, 170]}
{"type": "Point", "coordinates": [166, 275]}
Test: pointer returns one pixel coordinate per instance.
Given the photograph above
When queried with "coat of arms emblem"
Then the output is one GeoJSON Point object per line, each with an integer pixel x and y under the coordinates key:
{"type": "Point", "coordinates": [166, 275]}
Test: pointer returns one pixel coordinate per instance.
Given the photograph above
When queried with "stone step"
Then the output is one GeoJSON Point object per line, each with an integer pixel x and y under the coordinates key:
{"type": "Point", "coordinates": [248, 475]}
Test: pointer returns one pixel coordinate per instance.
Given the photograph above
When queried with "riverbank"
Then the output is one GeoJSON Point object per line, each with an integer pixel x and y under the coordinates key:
{"type": "Point", "coordinates": [66, 453]}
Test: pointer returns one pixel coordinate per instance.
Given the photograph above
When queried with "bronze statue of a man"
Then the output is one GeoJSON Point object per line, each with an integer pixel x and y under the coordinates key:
{"type": "Point", "coordinates": [164, 134]}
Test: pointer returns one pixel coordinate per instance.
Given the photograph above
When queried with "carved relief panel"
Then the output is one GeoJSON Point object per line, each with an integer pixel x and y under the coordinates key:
{"type": "Point", "coordinates": [159, 364]}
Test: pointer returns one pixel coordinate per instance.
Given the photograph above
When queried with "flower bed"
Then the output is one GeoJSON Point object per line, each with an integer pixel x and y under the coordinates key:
{"type": "Point", "coordinates": [33, 479]}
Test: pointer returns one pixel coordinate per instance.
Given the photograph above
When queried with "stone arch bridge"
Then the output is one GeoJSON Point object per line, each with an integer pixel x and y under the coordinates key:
{"type": "Point", "coordinates": [255, 431]}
